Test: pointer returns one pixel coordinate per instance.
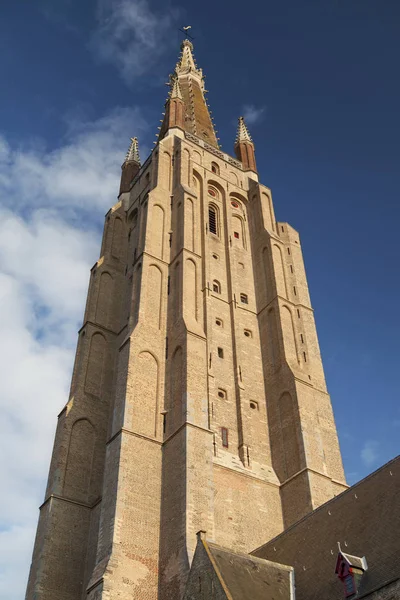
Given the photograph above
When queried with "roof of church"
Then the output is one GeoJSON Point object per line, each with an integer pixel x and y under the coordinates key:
{"type": "Point", "coordinates": [365, 520]}
{"type": "Point", "coordinates": [246, 576]}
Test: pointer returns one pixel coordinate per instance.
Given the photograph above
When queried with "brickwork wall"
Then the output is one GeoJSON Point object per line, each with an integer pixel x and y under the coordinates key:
{"type": "Point", "coordinates": [198, 399]}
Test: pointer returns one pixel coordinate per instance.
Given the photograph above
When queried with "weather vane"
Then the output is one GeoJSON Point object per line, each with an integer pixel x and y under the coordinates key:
{"type": "Point", "coordinates": [185, 31]}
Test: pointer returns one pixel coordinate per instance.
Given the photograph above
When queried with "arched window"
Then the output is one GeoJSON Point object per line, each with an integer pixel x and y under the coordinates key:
{"type": "Point", "coordinates": [213, 219]}
{"type": "Point", "coordinates": [216, 287]}
{"type": "Point", "coordinates": [133, 217]}
{"type": "Point", "coordinates": [215, 168]}
{"type": "Point", "coordinates": [244, 299]}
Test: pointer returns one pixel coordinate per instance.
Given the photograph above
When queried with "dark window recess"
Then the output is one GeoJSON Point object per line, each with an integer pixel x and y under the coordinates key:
{"type": "Point", "coordinates": [301, 338]}
{"type": "Point", "coordinates": [164, 422]}
{"type": "Point", "coordinates": [288, 251]}
{"type": "Point", "coordinates": [166, 347]}
{"type": "Point", "coordinates": [212, 220]}
{"type": "Point", "coordinates": [244, 299]}
{"type": "Point", "coordinates": [253, 405]}
{"type": "Point", "coordinates": [216, 287]}
{"type": "Point", "coordinates": [298, 313]}
{"type": "Point", "coordinates": [236, 234]}
{"type": "Point", "coordinates": [282, 228]}
{"type": "Point", "coordinates": [247, 333]}
{"type": "Point", "coordinates": [215, 168]}
{"type": "Point", "coordinates": [224, 436]}
{"type": "Point", "coordinates": [221, 394]}
{"type": "Point", "coordinates": [234, 204]}
{"type": "Point", "coordinates": [218, 322]}
{"type": "Point", "coordinates": [169, 284]}
{"type": "Point", "coordinates": [294, 290]}
{"type": "Point", "coordinates": [220, 353]}
{"type": "Point", "coordinates": [291, 268]}
{"type": "Point", "coordinates": [305, 357]}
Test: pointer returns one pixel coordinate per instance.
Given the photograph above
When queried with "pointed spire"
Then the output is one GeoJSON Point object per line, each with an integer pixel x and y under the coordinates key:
{"type": "Point", "coordinates": [175, 89]}
{"type": "Point", "coordinates": [133, 152]}
{"type": "Point", "coordinates": [243, 134]}
{"type": "Point", "coordinates": [244, 147]}
{"type": "Point", "coordinates": [130, 167]}
{"type": "Point", "coordinates": [186, 106]}
{"type": "Point", "coordinates": [186, 63]}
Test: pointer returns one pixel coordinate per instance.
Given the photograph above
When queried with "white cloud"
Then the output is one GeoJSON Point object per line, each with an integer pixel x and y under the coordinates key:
{"type": "Point", "coordinates": [79, 175]}
{"type": "Point", "coordinates": [370, 453]}
{"type": "Point", "coordinates": [51, 205]}
{"type": "Point", "coordinates": [252, 114]}
{"type": "Point", "coordinates": [131, 35]}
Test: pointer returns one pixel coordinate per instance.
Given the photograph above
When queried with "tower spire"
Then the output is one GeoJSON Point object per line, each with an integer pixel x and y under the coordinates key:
{"type": "Point", "coordinates": [244, 147]}
{"type": "Point", "coordinates": [130, 166]}
{"type": "Point", "coordinates": [186, 106]}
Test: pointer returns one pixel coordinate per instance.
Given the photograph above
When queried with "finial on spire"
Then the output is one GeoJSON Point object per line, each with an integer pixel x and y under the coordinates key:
{"type": "Point", "coordinates": [243, 134]}
{"type": "Point", "coordinates": [186, 63]}
{"type": "Point", "coordinates": [133, 152]}
{"type": "Point", "coordinates": [130, 167]}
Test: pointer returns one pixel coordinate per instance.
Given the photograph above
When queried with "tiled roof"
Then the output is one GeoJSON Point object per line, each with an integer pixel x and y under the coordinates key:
{"type": "Point", "coordinates": [248, 577]}
{"type": "Point", "coordinates": [365, 520]}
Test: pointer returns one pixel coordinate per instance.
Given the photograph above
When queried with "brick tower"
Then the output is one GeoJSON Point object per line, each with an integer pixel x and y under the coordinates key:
{"type": "Point", "coordinates": [198, 398]}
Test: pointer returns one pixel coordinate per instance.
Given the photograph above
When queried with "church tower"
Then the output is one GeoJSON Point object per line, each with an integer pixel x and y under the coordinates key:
{"type": "Point", "coordinates": [198, 399]}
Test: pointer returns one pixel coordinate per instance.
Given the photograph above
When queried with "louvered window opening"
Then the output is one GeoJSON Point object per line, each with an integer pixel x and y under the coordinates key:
{"type": "Point", "coordinates": [212, 220]}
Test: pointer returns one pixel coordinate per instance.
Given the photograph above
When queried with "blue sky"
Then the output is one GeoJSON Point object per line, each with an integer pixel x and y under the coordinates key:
{"type": "Point", "coordinates": [318, 81]}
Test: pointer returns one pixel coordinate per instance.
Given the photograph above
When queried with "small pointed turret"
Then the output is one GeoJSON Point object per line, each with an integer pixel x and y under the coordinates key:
{"type": "Point", "coordinates": [130, 167]}
{"type": "Point", "coordinates": [244, 147]}
{"type": "Point", "coordinates": [175, 89]}
{"type": "Point", "coordinates": [243, 134]}
{"type": "Point", "coordinates": [133, 152]}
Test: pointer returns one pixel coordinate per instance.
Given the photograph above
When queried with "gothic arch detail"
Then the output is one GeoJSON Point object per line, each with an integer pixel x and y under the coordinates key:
{"type": "Point", "coordinates": [154, 295]}
{"type": "Point", "coordinates": [95, 365]}
{"type": "Point", "coordinates": [105, 297]}
{"type": "Point", "coordinates": [233, 177]}
{"type": "Point", "coordinates": [157, 231]}
{"type": "Point", "coordinates": [79, 461]}
{"type": "Point", "coordinates": [189, 225]}
{"type": "Point", "coordinates": [168, 168]}
{"type": "Point", "coordinates": [279, 268]}
{"type": "Point", "coordinates": [289, 336]}
{"type": "Point", "coordinates": [146, 400]}
{"type": "Point", "coordinates": [191, 287]}
{"type": "Point", "coordinates": [117, 238]}
{"type": "Point", "coordinates": [238, 229]}
{"type": "Point", "coordinates": [267, 199]}
{"type": "Point", "coordinates": [186, 155]}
